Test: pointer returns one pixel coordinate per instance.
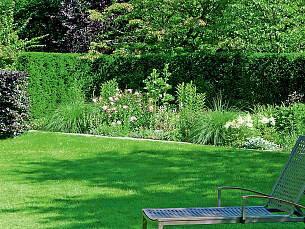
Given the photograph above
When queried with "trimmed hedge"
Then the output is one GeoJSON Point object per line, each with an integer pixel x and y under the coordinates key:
{"type": "Point", "coordinates": [14, 103]}
{"type": "Point", "coordinates": [55, 78]}
{"type": "Point", "coordinates": [243, 80]}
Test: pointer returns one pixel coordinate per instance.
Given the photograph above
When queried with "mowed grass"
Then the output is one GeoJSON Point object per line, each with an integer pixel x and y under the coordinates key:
{"type": "Point", "coordinates": [58, 181]}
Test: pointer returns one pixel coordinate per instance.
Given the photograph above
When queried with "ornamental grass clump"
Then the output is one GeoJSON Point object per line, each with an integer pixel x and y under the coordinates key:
{"type": "Point", "coordinates": [76, 117]}
{"type": "Point", "coordinates": [210, 127]}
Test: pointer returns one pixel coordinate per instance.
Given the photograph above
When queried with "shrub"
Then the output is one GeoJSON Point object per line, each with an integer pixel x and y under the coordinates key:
{"type": "Point", "coordinates": [127, 108]}
{"type": "Point", "coordinates": [157, 87]}
{"type": "Point", "coordinates": [165, 124]}
{"type": "Point", "coordinates": [239, 130]}
{"type": "Point", "coordinates": [291, 118]}
{"type": "Point", "coordinates": [190, 104]}
{"type": "Point", "coordinates": [14, 104]}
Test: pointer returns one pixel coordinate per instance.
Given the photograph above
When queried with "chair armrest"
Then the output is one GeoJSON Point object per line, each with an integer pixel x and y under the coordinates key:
{"type": "Point", "coordinates": [236, 188]}
{"type": "Point", "coordinates": [265, 197]}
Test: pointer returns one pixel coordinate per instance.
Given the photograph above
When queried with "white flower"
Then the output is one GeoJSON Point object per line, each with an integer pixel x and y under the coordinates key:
{"type": "Point", "coordinates": [105, 107]}
{"type": "Point", "coordinates": [240, 120]}
{"type": "Point", "coordinates": [151, 108]}
{"type": "Point", "coordinates": [136, 93]}
{"type": "Point", "coordinates": [111, 98]}
{"type": "Point", "coordinates": [129, 90]}
{"type": "Point", "coordinates": [249, 124]}
{"type": "Point", "coordinates": [264, 120]}
{"type": "Point", "coordinates": [228, 124]}
{"type": "Point", "coordinates": [125, 107]}
{"type": "Point", "coordinates": [118, 122]}
{"type": "Point", "coordinates": [248, 118]}
{"type": "Point", "coordinates": [113, 123]}
{"type": "Point", "coordinates": [94, 100]}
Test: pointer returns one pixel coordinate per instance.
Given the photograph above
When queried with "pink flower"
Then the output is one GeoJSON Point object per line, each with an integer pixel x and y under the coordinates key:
{"type": "Point", "coordinates": [94, 100]}
{"type": "Point", "coordinates": [105, 108]}
{"type": "Point", "coordinates": [111, 103]}
{"type": "Point", "coordinates": [109, 115]}
{"type": "Point", "coordinates": [136, 93]}
{"type": "Point", "coordinates": [129, 90]}
{"type": "Point", "coordinates": [132, 118]}
{"type": "Point", "coordinates": [113, 123]}
{"type": "Point", "coordinates": [113, 109]}
{"type": "Point", "coordinates": [111, 98]}
{"type": "Point", "coordinates": [118, 122]}
{"type": "Point", "coordinates": [117, 89]}
{"type": "Point", "coordinates": [100, 98]}
{"type": "Point", "coordinates": [125, 107]}
{"type": "Point", "coordinates": [115, 98]}
{"type": "Point", "coordinates": [151, 108]}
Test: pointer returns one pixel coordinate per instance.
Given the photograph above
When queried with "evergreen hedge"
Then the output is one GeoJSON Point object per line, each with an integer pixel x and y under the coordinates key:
{"type": "Point", "coordinates": [55, 78]}
{"type": "Point", "coordinates": [243, 80]}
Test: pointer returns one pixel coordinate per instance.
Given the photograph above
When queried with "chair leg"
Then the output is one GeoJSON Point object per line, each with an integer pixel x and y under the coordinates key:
{"type": "Point", "coordinates": [144, 223]}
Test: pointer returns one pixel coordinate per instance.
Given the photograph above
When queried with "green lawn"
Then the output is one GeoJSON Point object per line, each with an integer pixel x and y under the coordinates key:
{"type": "Point", "coordinates": [60, 181]}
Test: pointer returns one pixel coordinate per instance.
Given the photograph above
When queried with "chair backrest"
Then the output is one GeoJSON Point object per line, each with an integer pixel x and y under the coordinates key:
{"type": "Point", "coordinates": [291, 184]}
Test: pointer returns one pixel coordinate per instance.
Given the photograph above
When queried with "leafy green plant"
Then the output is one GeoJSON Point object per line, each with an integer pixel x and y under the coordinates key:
{"type": "Point", "coordinates": [189, 99]}
{"type": "Point", "coordinates": [290, 118]}
{"type": "Point", "coordinates": [190, 104]}
{"type": "Point", "coordinates": [157, 87]}
{"type": "Point", "coordinates": [108, 89]}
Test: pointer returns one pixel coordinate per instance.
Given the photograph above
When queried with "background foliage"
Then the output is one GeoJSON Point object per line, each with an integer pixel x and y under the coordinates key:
{"type": "Point", "coordinates": [161, 26]}
{"type": "Point", "coordinates": [243, 80]}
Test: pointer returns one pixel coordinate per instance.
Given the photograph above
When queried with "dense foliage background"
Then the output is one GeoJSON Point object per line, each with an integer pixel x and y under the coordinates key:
{"type": "Point", "coordinates": [162, 26]}
{"type": "Point", "coordinates": [243, 80]}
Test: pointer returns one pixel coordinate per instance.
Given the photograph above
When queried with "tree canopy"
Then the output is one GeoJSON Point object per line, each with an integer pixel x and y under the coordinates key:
{"type": "Point", "coordinates": [142, 26]}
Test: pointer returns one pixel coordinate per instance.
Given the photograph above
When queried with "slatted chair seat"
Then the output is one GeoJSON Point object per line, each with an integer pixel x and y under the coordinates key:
{"type": "Point", "coordinates": [167, 214]}
{"type": "Point", "coordinates": [284, 199]}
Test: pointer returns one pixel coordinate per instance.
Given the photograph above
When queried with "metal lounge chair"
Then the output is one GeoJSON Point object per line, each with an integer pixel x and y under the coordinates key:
{"type": "Point", "coordinates": [281, 205]}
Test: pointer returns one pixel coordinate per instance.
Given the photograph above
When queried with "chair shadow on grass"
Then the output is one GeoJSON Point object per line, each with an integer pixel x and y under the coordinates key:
{"type": "Point", "coordinates": [111, 188]}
